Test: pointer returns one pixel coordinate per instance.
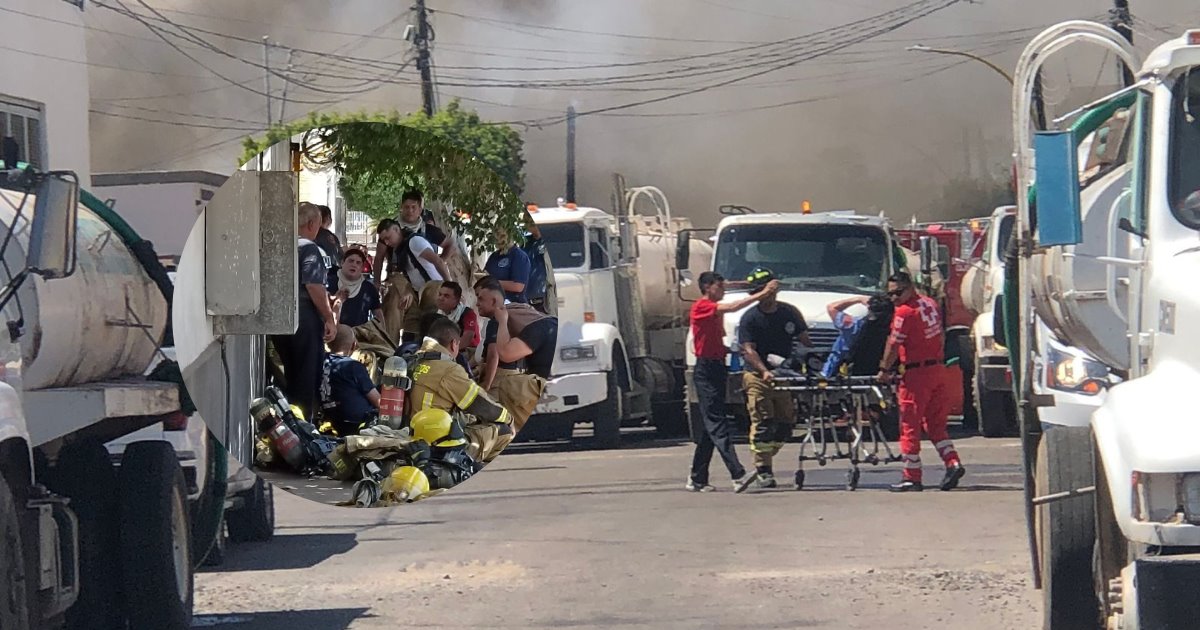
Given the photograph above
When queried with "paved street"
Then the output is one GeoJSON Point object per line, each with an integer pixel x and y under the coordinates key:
{"type": "Point", "coordinates": [550, 537]}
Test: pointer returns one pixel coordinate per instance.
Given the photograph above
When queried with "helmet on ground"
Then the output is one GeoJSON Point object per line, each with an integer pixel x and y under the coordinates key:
{"type": "Point", "coordinates": [407, 483]}
{"type": "Point", "coordinates": [759, 278]}
{"type": "Point", "coordinates": [437, 428]}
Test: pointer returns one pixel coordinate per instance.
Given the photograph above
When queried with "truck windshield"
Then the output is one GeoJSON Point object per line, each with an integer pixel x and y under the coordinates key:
{"type": "Point", "coordinates": [565, 243]}
{"type": "Point", "coordinates": [848, 258]}
{"type": "Point", "coordinates": [1184, 173]}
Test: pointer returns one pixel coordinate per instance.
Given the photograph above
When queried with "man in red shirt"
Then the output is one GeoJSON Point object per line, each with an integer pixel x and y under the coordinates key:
{"type": "Point", "coordinates": [710, 378]}
{"type": "Point", "coordinates": [924, 402]}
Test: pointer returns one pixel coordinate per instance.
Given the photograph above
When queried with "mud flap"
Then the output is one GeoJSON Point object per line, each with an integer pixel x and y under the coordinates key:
{"type": "Point", "coordinates": [1165, 592]}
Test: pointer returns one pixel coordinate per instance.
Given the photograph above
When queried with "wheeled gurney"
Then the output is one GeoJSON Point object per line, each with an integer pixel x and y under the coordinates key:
{"type": "Point", "coordinates": [844, 412]}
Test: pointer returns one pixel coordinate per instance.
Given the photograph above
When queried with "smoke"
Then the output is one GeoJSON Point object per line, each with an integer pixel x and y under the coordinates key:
{"type": "Point", "coordinates": [884, 129]}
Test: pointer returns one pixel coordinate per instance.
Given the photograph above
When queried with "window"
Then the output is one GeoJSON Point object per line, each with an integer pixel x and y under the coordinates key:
{"type": "Point", "coordinates": [1183, 174]}
{"type": "Point", "coordinates": [22, 121]}
{"type": "Point", "coordinates": [598, 244]}
{"type": "Point", "coordinates": [806, 256]}
{"type": "Point", "coordinates": [564, 243]}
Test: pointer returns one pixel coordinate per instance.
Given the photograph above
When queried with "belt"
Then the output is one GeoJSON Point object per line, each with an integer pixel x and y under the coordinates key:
{"type": "Point", "coordinates": [922, 364]}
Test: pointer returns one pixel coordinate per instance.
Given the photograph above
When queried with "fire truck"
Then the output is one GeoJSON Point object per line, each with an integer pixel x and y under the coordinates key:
{"type": "Point", "coordinates": [951, 247]}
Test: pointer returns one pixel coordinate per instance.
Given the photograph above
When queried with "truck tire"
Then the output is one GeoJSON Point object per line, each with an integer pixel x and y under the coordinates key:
{"type": "Point", "coordinates": [255, 520]}
{"type": "Point", "coordinates": [606, 425]}
{"type": "Point", "coordinates": [995, 411]}
{"type": "Point", "coordinates": [155, 538]}
{"type": "Point", "coordinates": [970, 417]}
{"type": "Point", "coordinates": [671, 420]}
{"type": "Point", "coordinates": [85, 474]}
{"type": "Point", "coordinates": [1066, 529]}
{"type": "Point", "coordinates": [14, 609]}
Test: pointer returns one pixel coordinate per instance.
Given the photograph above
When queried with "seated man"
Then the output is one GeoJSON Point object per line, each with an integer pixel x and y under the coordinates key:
{"type": "Point", "coordinates": [523, 333]}
{"type": "Point", "coordinates": [355, 298]}
{"type": "Point", "coordinates": [348, 397]}
{"type": "Point", "coordinates": [449, 303]}
{"type": "Point", "coordinates": [861, 339]}
{"type": "Point", "coordinates": [439, 382]}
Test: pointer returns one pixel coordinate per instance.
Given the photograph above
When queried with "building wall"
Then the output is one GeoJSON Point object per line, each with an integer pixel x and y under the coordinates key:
{"type": "Point", "coordinates": [50, 70]}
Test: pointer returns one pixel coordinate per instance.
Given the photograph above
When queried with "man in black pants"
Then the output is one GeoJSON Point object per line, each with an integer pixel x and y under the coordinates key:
{"type": "Point", "coordinates": [522, 333]}
{"type": "Point", "coordinates": [710, 378]}
{"type": "Point", "coordinates": [303, 352]}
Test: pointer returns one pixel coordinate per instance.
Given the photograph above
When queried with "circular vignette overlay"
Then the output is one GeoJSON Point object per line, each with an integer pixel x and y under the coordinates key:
{"type": "Point", "coordinates": [337, 302]}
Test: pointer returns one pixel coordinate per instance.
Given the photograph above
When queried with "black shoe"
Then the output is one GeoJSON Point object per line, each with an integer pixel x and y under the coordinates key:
{"type": "Point", "coordinates": [953, 474]}
{"type": "Point", "coordinates": [907, 486]}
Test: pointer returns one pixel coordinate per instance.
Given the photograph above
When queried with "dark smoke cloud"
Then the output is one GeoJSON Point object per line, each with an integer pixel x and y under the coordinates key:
{"type": "Point", "coordinates": [879, 142]}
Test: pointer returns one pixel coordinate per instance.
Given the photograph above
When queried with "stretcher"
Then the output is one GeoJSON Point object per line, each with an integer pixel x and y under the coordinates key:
{"type": "Point", "coordinates": [836, 414]}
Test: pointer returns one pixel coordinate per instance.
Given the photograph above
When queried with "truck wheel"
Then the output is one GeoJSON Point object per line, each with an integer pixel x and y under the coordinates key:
{"type": "Point", "coordinates": [995, 411]}
{"type": "Point", "coordinates": [970, 417]}
{"type": "Point", "coordinates": [14, 610]}
{"type": "Point", "coordinates": [155, 538]}
{"type": "Point", "coordinates": [255, 520]}
{"type": "Point", "coordinates": [85, 474]}
{"type": "Point", "coordinates": [606, 425]}
{"type": "Point", "coordinates": [1112, 550]}
{"type": "Point", "coordinates": [671, 420]}
{"type": "Point", "coordinates": [1066, 529]}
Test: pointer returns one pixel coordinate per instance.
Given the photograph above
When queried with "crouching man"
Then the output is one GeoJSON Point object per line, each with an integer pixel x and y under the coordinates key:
{"type": "Point", "coordinates": [439, 382]}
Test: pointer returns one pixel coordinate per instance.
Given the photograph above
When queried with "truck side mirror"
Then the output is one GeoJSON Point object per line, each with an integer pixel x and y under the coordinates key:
{"type": "Point", "coordinates": [683, 249]}
{"type": "Point", "coordinates": [1057, 174]}
{"type": "Point", "coordinates": [53, 228]}
{"type": "Point", "coordinates": [928, 255]}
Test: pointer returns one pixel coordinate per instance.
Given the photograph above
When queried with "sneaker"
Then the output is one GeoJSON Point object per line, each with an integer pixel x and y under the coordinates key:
{"type": "Point", "coordinates": [907, 486]}
{"type": "Point", "coordinates": [766, 480]}
{"type": "Point", "coordinates": [953, 474]}
{"type": "Point", "coordinates": [692, 486]}
{"type": "Point", "coordinates": [740, 485]}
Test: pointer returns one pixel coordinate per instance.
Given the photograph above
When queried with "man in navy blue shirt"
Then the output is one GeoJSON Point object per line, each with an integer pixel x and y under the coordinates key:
{"type": "Point", "coordinates": [510, 265]}
{"type": "Point", "coordinates": [348, 397]}
{"type": "Point", "coordinates": [355, 298]}
{"type": "Point", "coordinates": [864, 334]}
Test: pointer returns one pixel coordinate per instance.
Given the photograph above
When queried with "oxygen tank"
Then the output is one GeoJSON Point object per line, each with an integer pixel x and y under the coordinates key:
{"type": "Point", "coordinates": [391, 392]}
{"type": "Point", "coordinates": [282, 439]}
{"type": "Point", "coordinates": [662, 305]}
{"type": "Point", "coordinates": [101, 323]}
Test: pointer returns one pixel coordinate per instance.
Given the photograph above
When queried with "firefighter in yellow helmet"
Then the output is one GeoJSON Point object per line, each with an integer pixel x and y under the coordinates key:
{"type": "Point", "coordinates": [439, 382]}
{"type": "Point", "coordinates": [440, 447]}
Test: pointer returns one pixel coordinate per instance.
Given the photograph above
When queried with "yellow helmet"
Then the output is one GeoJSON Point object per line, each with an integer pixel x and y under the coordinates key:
{"type": "Point", "coordinates": [407, 483]}
{"type": "Point", "coordinates": [437, 428]}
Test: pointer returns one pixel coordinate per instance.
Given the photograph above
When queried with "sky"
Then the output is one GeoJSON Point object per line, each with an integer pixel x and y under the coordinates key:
{"type": "Point", "coordinates": [840, 114]}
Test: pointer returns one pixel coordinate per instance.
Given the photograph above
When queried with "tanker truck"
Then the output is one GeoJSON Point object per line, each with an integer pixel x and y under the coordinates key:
{"type": "Point", "coordinates": [86, 308]}
{"type": "Point", "coordinates": [819, 258]}
{"type": "Point", "coordinates": [1105, 259]}
{"type": "Point", "coordinates": [623, 302]}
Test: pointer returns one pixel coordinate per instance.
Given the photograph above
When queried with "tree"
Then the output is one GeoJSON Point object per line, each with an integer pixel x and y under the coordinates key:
{"type": "Point", "coordinates": [471, 166]}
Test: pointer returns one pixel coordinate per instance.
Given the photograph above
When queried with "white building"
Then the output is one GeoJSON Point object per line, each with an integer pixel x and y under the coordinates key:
{"type": "Point", "coordinates": [44, 95]}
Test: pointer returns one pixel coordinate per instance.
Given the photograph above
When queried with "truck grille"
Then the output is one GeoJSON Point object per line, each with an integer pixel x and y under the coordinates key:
{"type": "Point", "coordinates": [822, 338]}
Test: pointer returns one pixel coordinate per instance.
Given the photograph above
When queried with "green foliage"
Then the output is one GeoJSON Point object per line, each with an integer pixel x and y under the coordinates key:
{"type": "Point", "coordinates": [453, 157]}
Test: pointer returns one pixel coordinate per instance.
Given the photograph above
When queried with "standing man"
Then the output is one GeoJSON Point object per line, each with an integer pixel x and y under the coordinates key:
{"type": "Point", "coordinates": [710, 378]}
{"type": "Point", "coordinates": [303, 352]}
{"type": "Point", "coordinates": [770, 327]}
{"type": "Point", "coordinates": [917, 340]}
{"type": "Point", "coordinates": [539, 290]}
{"type": "Point", "coordinates": [413, 218]}
{"type": "Point", "coordinates": [510, 265]}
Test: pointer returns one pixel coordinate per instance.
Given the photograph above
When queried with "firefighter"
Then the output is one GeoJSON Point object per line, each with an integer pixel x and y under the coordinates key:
{"type": "Point", "coordinates": [439, 382]}
{"type": "Point", "coordinates": [769, 327]}
{"type": "Point", "coordinates": [916, 340]}
{"type": "Point", "coordinates": [440, 448]}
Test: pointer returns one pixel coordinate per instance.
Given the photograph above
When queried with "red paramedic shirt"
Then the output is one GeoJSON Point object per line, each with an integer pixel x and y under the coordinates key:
{"type": "Point", "coordinates": [917, 331]}
{"type": "Point", "coordinates": [708, 331]}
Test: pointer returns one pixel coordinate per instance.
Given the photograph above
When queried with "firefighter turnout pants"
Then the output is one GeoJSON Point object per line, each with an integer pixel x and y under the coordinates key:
{"type": "Point", "coordinates": [924, 408]}
{"type": "Point", "coordinates": [486, 440]}
{"type": "Point", "coordinates": [519, 393]}
{"type": "Point", "coordinates": [772, 417]}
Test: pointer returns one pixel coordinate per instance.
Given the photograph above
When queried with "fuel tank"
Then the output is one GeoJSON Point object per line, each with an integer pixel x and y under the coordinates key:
{"type": "Point", "coordinates": [103, 322]}
{"type": "Point", "coordinates": [663, 299]}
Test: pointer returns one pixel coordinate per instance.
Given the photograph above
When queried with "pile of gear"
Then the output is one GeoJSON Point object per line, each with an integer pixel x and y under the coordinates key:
{"type": "Point", "coordinates": [393, 459]}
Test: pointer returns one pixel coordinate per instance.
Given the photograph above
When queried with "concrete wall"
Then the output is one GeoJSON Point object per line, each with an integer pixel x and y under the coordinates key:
{"type": "Point", "coordinates": [50, 70]}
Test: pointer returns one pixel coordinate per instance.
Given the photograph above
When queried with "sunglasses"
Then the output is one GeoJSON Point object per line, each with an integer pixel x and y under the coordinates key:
{"type": "Point", "coordinates": [896, 293]}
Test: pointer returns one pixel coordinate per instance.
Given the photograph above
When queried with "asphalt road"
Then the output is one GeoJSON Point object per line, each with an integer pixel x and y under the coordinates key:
{"type": "Point", "coordinates": [552, 537]}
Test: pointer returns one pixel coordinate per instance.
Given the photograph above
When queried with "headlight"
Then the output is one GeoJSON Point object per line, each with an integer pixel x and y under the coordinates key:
{"type": "Point", "coordinates": [1073, 373]}
{"type": "Point", "coordinates": [1166, 497]}
{"type": "Point", "coordinates": [577, 353]}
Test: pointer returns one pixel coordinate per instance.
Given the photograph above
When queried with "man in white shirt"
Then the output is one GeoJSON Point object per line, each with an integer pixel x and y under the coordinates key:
{"type": "Point", "coordinates": [423, 274]}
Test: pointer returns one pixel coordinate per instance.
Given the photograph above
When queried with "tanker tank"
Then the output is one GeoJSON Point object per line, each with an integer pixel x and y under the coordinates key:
{"type": "Point", "coordinates": [102, 323]}
{"type": "Point", "coordinates": [665, 303]}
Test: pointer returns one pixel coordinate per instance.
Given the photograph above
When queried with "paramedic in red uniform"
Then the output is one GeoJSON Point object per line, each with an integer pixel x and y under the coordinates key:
{"type": "Point", "coordinates": [924, 404]}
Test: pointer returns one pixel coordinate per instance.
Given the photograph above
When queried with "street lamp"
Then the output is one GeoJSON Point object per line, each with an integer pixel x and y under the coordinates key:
{"type": "Point", "coordinates": [959, 53]}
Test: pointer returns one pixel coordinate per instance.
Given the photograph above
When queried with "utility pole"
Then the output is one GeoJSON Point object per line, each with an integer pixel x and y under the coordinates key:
{"type": "Point", "coordinates": [267, 76]}
{"type": "Point", "coordinates": [570, 154]}
{"type": "Point", "coordinates": [424, 64]}
{"type": "Point", "coordinates": [1122, 22]}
